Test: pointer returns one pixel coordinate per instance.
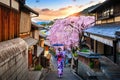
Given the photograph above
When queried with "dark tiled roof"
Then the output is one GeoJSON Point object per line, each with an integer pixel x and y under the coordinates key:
{"type": "Point", "coordinates": [94, 7]}
{"type": "Point", "coordinates": [43, 35]}
{"type": "Point", "coordinates": [118, 33]}
{"type": "Point", "coordinates": [34, 25]}
{"type": "Point", "coordinates": [11, 48]}
{"type": "Point", "coordinates": [27, 8]}
{"type": "Point", "coordinates": [47, 43]}
{"type": "Point", "coordinates": [30, 41]}
{"type": "Point", "coordinates": [105, 4]}
{"type": "Point", "coordinates": [106, 30]}
{"type": "Point", "coordinates": [38, 26]}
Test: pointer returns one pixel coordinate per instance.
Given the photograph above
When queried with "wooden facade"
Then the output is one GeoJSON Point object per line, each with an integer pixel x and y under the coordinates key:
{"type": "Point", "coordinates": [109, 12]}
{"type": "Point", "coordinates": [9, 23]}
{"type": "Point", "coordinates": [43, 57]}
{"type": "Point", "coordinates": [107, 16]}
{"type": "Point", "coordinates": [25, 22]}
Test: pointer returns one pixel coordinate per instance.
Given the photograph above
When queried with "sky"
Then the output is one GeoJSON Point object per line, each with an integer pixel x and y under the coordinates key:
{"type": "Point", "coordinates": [54, 9]}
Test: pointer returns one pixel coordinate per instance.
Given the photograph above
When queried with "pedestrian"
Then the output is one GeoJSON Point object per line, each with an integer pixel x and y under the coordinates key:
{"type": "Point", "coordinates": [69, 57]}
{"type": "Point", "coordinates": [64, 53]}
{"type": "Point", "coordinates": [60, 62]}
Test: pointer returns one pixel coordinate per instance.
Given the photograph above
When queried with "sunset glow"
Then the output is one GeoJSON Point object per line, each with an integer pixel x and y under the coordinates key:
{"type": "Point", "coordinates": [55, 12]}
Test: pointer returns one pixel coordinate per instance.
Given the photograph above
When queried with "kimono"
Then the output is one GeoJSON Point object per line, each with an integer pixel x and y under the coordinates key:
{"type": "Point", "coordinates": [60, 62]}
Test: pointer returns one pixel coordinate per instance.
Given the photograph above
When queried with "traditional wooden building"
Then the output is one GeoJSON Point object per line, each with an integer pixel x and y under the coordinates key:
{"type": "Point", "coordinates": [44, 43]}
{"type": "Point", "coordinates": [35, 29]}
{"type": "Point", "coordinates": [25, 30]}
{"type": "Point", "coordinates": [42, 39]}
{"type": "Point", "coordinates": [46, 51]}
{"type": "Point", "coordinates": [13, 50]}
{"type": "Point", "coordinates": [47, 46]}
{"type": "Point", "coordinates": [103, 38]}
{"type": "Point", "coordinates": [42, 50]}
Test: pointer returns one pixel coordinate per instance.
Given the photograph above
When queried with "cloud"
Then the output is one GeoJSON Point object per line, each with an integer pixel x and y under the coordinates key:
{"type": "Point", "coordinates": [46, 9]}
{"type": "Point", "coordinates": [65, 8]}
{"type": "Point", "coordinates": [48, 14]}
{"type": "Point", "coordinates": [74, 0]}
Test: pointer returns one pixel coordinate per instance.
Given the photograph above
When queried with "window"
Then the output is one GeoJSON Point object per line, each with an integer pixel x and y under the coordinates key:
{"type": "Point", "coordinates": [107, 13]}
{"type": "Point", "coordinates": [111, 11]}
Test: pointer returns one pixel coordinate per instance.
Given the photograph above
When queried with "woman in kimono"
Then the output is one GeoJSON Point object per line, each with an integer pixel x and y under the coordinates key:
{"type": "Point", "coordinates": [60, 62]}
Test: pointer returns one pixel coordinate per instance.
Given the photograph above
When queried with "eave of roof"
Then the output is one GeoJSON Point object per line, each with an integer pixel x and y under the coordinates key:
{"type": "Point", "coordinates": [106, 30]}
{"type": "Point", "coordinates": [33, 24]}
{"type": "Point", "coordinates": [43, 35]}
{"type": "Point", "coordinates": [105, 4]}
{"type": "Point", "coordinates": [47, 43]}
{"type": "Point", "coordinates": [29, 9]}
{"type": "Point", "coordinates": [94, 8]}
{"type": "Point", "coordinates": [30, 41]}
{"type": "Point", "coordinates": [99, 6]}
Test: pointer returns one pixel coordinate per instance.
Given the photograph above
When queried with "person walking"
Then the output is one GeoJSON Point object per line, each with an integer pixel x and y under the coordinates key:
{"type": "Point", "coordinates": [69, 57]}
{"type": "Point", "coordinates": [60, 62]}
{"type": "Point", "coordinates": [65, 56]}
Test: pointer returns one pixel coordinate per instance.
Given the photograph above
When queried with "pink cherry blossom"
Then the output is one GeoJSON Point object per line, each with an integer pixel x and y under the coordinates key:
{"type": "Point", "coordinates": [66, 31]}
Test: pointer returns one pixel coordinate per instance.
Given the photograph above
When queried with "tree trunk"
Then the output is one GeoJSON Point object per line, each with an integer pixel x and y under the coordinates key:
{"type": "Point", "coordinates": [80, 39]}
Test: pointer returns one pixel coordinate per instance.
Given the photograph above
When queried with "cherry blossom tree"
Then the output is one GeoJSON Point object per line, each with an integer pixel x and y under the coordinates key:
{"type": "Point", "coordinates": [68, 31]}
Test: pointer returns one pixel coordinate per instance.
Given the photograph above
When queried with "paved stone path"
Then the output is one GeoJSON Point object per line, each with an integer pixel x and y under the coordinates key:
{"type": "Point", "coordinates": [67, 75]}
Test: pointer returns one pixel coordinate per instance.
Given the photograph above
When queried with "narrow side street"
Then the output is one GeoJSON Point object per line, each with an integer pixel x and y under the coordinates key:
{"type": "Point", "coordinates": [60, 40]}
{"type": "Point", "coordinates": [67, 75]}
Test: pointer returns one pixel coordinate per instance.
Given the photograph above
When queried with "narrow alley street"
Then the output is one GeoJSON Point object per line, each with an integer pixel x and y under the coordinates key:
{"type": "Point", "coordinates": [67, 75]}
{"type": "Point", "coordinates": [59, 39]}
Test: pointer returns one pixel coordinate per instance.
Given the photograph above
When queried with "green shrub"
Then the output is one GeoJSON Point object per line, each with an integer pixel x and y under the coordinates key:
{"type": "Point", "coordinates": [38, 67]}
{"type": "Point", "coordinates": [118, 53]}
{"type": "Point", "coordinates": [84, 50]}
{"type": "Point", "coordinates": [75, 54]}
{"type": "Point", "coordinates": [52, 51]}
{"type": "Point", "coordinates": [91, 65]}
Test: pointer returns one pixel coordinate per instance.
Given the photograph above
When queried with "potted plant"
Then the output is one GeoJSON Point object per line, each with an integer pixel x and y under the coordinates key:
{"type": "Point", "coordinates": [52, 51]}
{"type": "Point", "coordinates": [91, 64]}
{"type": "Point", "coordinates": [84, 50]}
{"type": "Point", "coordinates": [75, 56]}
{"type": "Point", "coordinates": [38, 67]}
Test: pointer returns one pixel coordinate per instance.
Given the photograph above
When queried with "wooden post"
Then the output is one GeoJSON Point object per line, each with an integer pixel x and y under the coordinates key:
{"type": "Point", "coordinates": [5, 23]}
{"type": "Point", "coordinates": [95, 46]}
{"type": "Point", "coordinates": [35, 50]}
{"type": "Point", "coordinates": [11, 25]}
{"type": "Point", "coordinates": [0, 25]}
{"type": "Point", "coordinates": [114, 51]}
{"type": "Point", "coordinates": [30, 58]}
{"type": "Point", "coordinates": [91, 44]}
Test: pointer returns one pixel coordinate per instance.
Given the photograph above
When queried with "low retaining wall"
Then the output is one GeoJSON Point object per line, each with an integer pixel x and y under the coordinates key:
{"type": "Point", "coordinates": [13, 60]}
{"type": "Point", "coordinates": [84, 71]}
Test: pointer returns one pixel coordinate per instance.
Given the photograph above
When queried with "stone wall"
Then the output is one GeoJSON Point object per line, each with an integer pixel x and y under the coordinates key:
{"type": "Point", "coordinates": [13, 60]}
{"type": "Point", "coordinates": [84, 71]}
{"type": "Point", "coordinates": [118, 46]}
{"type": "Point", "coordinates": [118, 53]}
